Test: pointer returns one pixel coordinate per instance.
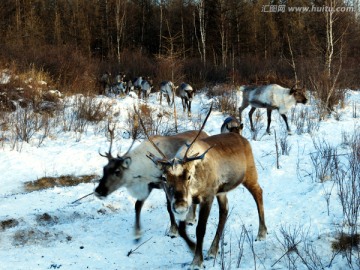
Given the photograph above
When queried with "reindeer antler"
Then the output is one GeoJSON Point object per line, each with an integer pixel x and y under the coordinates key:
{"type": "Point", "coordinates": [147, 135]}
{"type": "Point", "coordinates": [186, 158]}
{"type": "Point", "coordinates": [134, 136]}
{"type": "Point", "coordinates": [111, 133]}
{"type": "Point", "coordinates": [166, 161]}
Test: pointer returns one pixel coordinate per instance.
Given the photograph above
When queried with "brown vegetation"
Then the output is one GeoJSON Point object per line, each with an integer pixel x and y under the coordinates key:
{"type": "Point", "coordinates": [61, 181]}
{"type": "Point", "coordinates": [212, 41]}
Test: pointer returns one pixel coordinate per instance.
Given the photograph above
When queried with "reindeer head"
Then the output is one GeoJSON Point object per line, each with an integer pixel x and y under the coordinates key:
{"type": "Point", "coordinates": [112, 176]}
{"type": "Point", "coordinates": [113, 172]}
{"type": "Point", "coordinates": [190, 94]}
{"type": "Point", "coordinates": [299, 94]}
{"type": "Point", "coordinates": [231, 124]}
{"type": "Point", "coordinates": [179, 174]}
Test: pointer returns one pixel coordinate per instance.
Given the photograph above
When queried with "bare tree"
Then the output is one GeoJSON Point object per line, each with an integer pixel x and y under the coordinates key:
{"type": "Point", "coordinates": [120, 24]}
{"type": "Point", "coordinates": [326, 83]}
{"type": "Point", "coordinates": [200, 5]}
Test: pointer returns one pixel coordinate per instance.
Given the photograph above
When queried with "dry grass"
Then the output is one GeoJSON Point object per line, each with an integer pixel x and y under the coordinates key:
{"type": "Point", "coordinates": [61, 181]}
{"type": "Point", "coordinates": [8, 223]}
{"type": "Point", "coordinates": [346, 242]}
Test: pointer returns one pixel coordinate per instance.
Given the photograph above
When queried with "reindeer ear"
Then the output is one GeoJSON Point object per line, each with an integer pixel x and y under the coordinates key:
{"type": "Point", "coordinates": [126, 162]}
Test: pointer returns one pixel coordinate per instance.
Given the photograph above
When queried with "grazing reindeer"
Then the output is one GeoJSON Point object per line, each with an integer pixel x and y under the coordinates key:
{"type": "Point", "coordinates": [186, 93]}
{"type": "Point", "coordinates": [146, 86]}
{"type": "Point", "coordinates": [271, 97]}
{"type": "Point", "coordinates": [192, 178]}
{"type": "Point", "coordinates": [167, 88]}
{"type": "Point", "coordinates": [119, 88]}
{"type": "Point", "coordinates": [137, 173]}
{"type": "Point", "coordinates": [231, 124]}
{"type": "Point", "coordinates": [137, 85]}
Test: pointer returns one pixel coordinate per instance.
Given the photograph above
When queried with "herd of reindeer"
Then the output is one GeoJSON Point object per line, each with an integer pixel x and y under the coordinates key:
{"type": "Point", "coordinates": [143, 87]}
{"type": "Point", "coordinates": [193, 168]}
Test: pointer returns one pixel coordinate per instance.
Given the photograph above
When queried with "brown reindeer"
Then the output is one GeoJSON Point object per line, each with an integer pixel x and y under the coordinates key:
{"type": "Point", "coordinates": [226, 162]}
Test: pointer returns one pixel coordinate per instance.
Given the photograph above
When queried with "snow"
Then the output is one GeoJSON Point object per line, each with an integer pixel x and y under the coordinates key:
{"type": "Point", "coordinates": [98, 234]}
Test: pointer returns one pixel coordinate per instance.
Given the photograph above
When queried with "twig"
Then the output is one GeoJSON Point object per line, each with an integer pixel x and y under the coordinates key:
{"type": "Point", "coordinates": [132, 251]}
{"type": "Point", "coordinates": [147, 135]}
{"type": "Point", "coordinates": [277, 152]}
{"type": "Point", "coordinates": [292, 248]}
{"type": "Point", "coordinates": [82, 197]}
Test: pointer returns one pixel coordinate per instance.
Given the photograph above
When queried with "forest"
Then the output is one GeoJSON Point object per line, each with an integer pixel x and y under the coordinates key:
{"type": "Point", "coordinates": [202, 42]}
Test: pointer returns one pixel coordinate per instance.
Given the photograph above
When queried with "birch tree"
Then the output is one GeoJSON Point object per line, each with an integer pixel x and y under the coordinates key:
{"type": "Point", "coordinates": [120, 25]}
{"type": "Point", "coordinates": [202, 28]}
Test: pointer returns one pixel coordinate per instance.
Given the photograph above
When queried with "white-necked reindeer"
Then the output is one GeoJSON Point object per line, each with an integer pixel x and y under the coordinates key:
{"type": "Point", "coordinates": [137, 85]}
{"type": "Point", "coordinates": [193, 178]}
{"type": "Point", "coordinates": [146, 86]}
{"type": "Point", "coordinates": [167, 88]}
{"type": "Point", "coordinates": [186, 93]}
{"type": "Point", "coordinates": [119, 88]}
{"type": "Point", "coordinates": [231, 124]}
{"type": "Point", "coordinates": [139, 176]}
{"type": "Point", "coordinates": [271, 97]}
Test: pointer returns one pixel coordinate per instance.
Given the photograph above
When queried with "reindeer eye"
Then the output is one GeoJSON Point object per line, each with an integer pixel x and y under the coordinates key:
{"type": "Point", "coordinates": [189, 177]}
{"type": "Point", "coordinates": [117, 172]}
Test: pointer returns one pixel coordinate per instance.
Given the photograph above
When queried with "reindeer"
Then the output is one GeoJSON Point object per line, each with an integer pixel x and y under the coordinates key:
{"type": "Point", "coordinates": [137, 85]}
{"type": "Point", "coordinates": [186, 93]}
{"type": "Point", "coordinates": [146, 86]}
{"type": "Point", "coordinates": [193, 178]}
{"type": "Point", "coordinates": [231, 124]}
{"type": "Point", "coordinates": [271, 97]}
{"type": "Point", "coordinates": [139, 176]}
{"type": "Point", "coordinates": [167, 88]}
{"type": "Point", "coordinates": [119, 88]}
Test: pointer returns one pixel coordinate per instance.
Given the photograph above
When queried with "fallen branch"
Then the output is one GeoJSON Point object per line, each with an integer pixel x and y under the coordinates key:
{"type": "Point", "coordinates": [132, 251]}
{"type": "Point", "coordinates": [82, 197]}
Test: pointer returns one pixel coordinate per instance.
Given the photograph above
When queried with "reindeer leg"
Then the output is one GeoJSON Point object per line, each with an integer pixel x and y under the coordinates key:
{"type": "Point", "coordinates": [241, 108]}
{"type": "Point", "coordinates": [189, 107]}
{"type": "Point", "coordinates": [268, 121]}
{"type": "Point", "coordinates": [223, 212]}
{"type": "Point", "coordinates": [191, 216]}
{"type": "Point", "coordinates": [252, 110]}
{"type": "Point", "coordinates": [183, 234]}
{"type": "Point", "coordinates": [286, 123]}
{"type": "Point", "coordinates": [160, 97]}
{"type": "Point", "coordinates": [205, 208]}
{"type": "Point", "coordinates": [256, 192]}
{"type": "Point", "coordinates": [138, 205]}
{"type": "Point", "coordinates": [184, 104]}
{"type": "Point", "coordinates": [173, 231]}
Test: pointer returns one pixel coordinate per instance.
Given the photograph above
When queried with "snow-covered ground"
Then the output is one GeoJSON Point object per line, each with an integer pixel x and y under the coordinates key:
{"type": "Point", "coordinates": [52, 233]}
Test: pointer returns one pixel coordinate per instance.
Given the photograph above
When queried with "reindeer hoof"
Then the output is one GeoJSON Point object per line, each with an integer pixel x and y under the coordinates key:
{"type": "Point", "coordinates": [173, 234]}
{"type": "Point", "coordinates": [196, 267]}
{"type": "Point", "coordinates": [261, 235]}
{"type": "Point", "coordinates": [290, 132]}
{"type": "Point", "coordinates": [211, 255]}
{"type": "Point", "coordinates": [137, 236]}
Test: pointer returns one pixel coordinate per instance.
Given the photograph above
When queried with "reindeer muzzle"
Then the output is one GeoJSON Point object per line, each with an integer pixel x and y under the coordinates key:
{"type": "Point", "coordinates": [101, 193]}
{"type": "Point", "coordinates": [180, 209]}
